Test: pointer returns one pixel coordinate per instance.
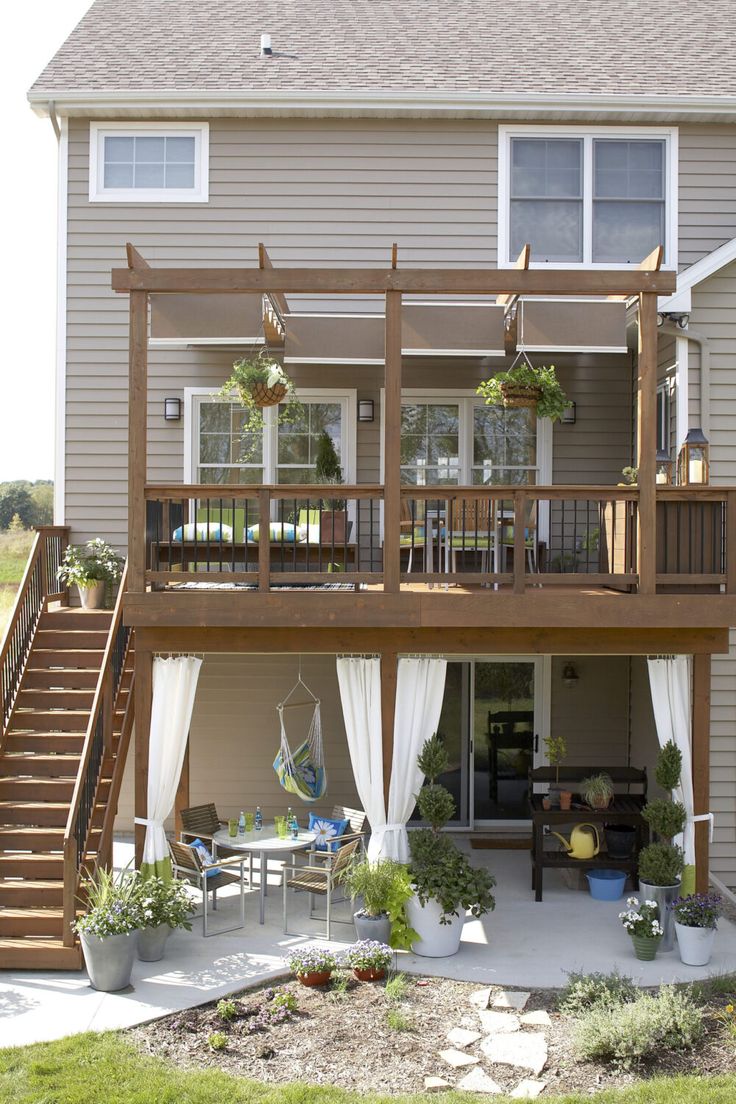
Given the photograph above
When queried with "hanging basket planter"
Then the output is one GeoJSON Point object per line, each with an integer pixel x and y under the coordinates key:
{"type": "Point", "coordinates": [260, 381]}
{"type": "Point", "coordinates": [515, 395]}
{"type": "Point", "coordinates": [260, 394]}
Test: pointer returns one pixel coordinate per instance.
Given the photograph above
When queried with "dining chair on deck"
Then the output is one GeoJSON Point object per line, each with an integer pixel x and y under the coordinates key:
{"type": "Point", "coordinates": [189, 866]}
{"type": "Point", "coordinates": [506, 535]}
{"type": "Point", "coordinates": [319, 881]}
{"type": "Point", "coordinates": [473, 529]}
{"type": "Point", "coordinates": [413, 533]}
{"type": "Point", "coordinates": [356, 830]}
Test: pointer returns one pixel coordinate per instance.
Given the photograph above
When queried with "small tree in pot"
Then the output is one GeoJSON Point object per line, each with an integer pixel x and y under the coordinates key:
{"type": "Point", "coordinates": [445, 884]}
{"type": "Point", "coordinates": [661, 862]}
{"type": "Point", "coordinates": [327, 469]}
{"type": "Point", "coordinates": [385, 888]}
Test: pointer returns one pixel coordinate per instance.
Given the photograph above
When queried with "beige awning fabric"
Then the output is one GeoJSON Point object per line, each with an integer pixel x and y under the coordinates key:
{"type": "Point", "coordinates": [207, 319]}
{"type": "Point", "coordinates": [577, 326]}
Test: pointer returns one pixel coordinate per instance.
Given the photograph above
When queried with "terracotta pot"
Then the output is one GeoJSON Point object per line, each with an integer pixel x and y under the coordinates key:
{"type": "Point", "coordinates": [267, 396]}
{"type": "Point", "coordinates": [333, 526]}
{"type": "Point", "coordinates": [320, 977]}
{"type": "Point", "coordinates": [600, 802]}
{"type": "Point", "coordinates": [369, 975]}
{"type": "Point", "coordinates": [565, 800]}
{"type": "Point", "coordinates": [546, 804]}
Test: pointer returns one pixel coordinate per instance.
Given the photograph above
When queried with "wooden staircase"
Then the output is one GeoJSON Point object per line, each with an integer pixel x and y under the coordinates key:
{"type": "Point", "coordinates": [62, 753]}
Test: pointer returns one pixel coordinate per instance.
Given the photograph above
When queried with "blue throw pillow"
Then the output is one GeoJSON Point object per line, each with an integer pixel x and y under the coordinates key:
{"type": "Point", "coordinates": [328, 831]}
{"type": "Point", "coordinates": [279, 532]}
{"type": "Point", "coordinates": [203, 532]}
{"type": "Point", "coordinates": [206, 856]}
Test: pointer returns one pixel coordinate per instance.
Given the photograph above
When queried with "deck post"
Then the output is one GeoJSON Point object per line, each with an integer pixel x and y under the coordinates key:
{"type": "Point", "coordinates": [137, 444]}
{"type": "Point", "coordinates": [143, 690]}
{"type": "Point", "coordinates": [392, 446]}
{"type": "Point", "coordinates": [181, 800]}
{"type": "Point", "coordinates": [701, 767]}
{"type": "Point", "coordinates": [646, 444]}
{"type": "Point", "coordinates": [389, 674]}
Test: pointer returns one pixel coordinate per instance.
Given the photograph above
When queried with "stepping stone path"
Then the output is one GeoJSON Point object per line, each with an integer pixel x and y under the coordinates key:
{"type": "Point", "coordinates": [481, 998]}
{"type": "Point", "coordinates": [479, 1082]}
{"type": "Point", "coordinates": [499, 1023]}
{"type": "Point", "coordinates": [527, 1050]}
{"type": "Point", "coordinates": [461, 1037]}
{"type": "Point", "coordinates": [528, 1090]}
{"type": "Point", "coordinates": [457, 1059]}
{"type": "Point", "coordinates": [537, 1019]}
{"type": "Point", "coordinates": [517, 1001]}
{"type": "Point", "coordinates": [436, 1084]}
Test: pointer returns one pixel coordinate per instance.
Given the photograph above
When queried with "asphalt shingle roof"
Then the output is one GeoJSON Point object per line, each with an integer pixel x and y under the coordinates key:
{"type": "Point", "coordinates": [633, 47]}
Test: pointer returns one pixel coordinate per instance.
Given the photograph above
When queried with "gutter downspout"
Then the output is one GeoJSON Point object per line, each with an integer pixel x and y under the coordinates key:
{"type": "Point", "coordinates": [704, 348]}
{"type": "Point", "coordinates": [54, 120]}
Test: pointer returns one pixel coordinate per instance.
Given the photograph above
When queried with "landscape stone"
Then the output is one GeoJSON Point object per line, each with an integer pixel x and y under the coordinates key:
{"type": "Point", "coordinates": [528, 1090]}
{"type": "Point", "coordinates": [527, 1050]}
{"type": "Point", "coordinates": [461, 1037]}
{"type": "Point", "coordinates": [506, 999]}
{"type": "Point", "coordinates": [499, 1023]}
{"type": "Point", "coordinates": [436, 1084]}
{"type": "Point", "coordinates": [537, 1019]}
{"type": "Point", "coordinates": [456, 1058]}
{"type": "Point", "coordinates": [478, 1081]}
{"type": "Point", "coordinates": [481, 998]}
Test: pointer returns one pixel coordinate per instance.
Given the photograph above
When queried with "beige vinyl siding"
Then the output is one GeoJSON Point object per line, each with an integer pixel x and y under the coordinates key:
{"type": "Point", "coordinates": [593, 715]}
{"type": "Point", "coordinates": [707, 189]}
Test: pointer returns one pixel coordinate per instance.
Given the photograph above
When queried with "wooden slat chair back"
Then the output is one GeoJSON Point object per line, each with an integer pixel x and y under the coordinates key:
{"type": "Point", "coordinates": [412, 528]}
{"type": "Point", "coordinates": [187, 865]}
{"type": "Point", "coordinates": [472, 529]}
{"type": "Point", "coordinates": [320, 881]}
{"type": "Point", "coordinates": [356, 818]}
{"type": "Point", "coordinates": [356, 830]}
{"type": "Point", "coordinates": [200, 821]}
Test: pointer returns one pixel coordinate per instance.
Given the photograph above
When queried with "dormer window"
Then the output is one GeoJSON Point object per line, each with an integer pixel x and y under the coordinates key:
{"type": "Point", "coordinates": [148, 162]}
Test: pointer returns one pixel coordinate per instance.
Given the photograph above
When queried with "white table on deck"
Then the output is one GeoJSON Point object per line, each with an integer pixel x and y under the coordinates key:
{"type": "Point", "coordinates": [266, 842]}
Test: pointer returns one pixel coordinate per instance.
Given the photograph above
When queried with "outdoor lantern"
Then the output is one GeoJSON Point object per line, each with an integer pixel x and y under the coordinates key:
{"type": "Point", "coordinates": [365, 410]}
{"type": "Point", "coordinates": [569, 675]}
{"type": "Point", "coordinates": [692, 464]}
{"type": "Point", "coordinates": [664, 466]}
{"type": "Point", "coordinates": [569, 414]}
{"type": "Point", "coordinates": [172, 410]}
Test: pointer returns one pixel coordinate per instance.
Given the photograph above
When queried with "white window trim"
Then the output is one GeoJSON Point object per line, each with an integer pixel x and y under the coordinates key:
{"type": "Point", "coordinates": [98, 193]}
{"type": "Point", "coordinates": [310, 394]}
{"type": "Point", "coordinates": [667, 134]}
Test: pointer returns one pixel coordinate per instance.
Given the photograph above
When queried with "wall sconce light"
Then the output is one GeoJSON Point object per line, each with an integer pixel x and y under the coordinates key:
{"type": "Point", "coordinates": [172, 410]}
{"type": "Point", "coordinates": [693, 466]}
{"type": "Point", "coordinates": [664, 467]}
{"type": "Point", "coordinates": [570, 676]}
{"type": "Point", "coordinates": [569, 416]}
{"type": "Point", "coordinates": [365, 410]}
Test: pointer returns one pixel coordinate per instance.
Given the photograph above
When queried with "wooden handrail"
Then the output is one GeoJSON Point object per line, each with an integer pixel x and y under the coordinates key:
{"type": "Point", "coordinates": [104, 850]}
{"type": "Point", "coordinates": [156, 491]}
{"type": "Point", "coordinates": [98, 714]}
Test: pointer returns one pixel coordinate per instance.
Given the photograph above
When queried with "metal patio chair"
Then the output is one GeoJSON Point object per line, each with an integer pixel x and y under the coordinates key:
{"type": "Point", "coordinates": [319, 881]}
{"type": "Point", "coordinates": [187, 865]}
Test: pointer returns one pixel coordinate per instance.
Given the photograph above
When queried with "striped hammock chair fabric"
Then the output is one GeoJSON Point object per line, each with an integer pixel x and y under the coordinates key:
{"type": "Point", "coordinates": [302, 772]}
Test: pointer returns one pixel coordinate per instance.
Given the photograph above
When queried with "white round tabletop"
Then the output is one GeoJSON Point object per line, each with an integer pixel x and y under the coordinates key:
{"type": "Point", "coordinates": [265, 840]}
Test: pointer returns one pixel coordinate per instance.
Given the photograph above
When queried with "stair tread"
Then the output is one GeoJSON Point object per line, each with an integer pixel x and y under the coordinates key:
{"type": "Point", "coordinates": [50, 912]}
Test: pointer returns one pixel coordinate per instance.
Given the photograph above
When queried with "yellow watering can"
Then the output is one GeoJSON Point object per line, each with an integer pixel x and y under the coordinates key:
{"type": "Point", "coordinates": [583, 844]}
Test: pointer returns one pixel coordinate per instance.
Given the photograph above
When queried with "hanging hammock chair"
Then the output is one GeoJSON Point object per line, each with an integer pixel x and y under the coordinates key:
{"type": "Point", "coordinates": [302, 772]}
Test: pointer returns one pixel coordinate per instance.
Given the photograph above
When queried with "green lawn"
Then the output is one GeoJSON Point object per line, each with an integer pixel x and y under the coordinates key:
{"type": "Point", "coordinates": [107, 1069]}
{"type": "Point", "coordinates": [14, 549]}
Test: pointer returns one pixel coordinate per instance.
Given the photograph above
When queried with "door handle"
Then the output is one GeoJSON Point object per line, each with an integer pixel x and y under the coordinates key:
{"type": "Point", "coordinates": [536, 743]}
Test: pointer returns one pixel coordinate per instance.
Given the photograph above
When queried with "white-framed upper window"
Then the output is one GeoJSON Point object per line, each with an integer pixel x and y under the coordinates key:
{"type": "Point", "coordinates": [584, 196]}
{"type": "Point", "coordinates": [149, 162]}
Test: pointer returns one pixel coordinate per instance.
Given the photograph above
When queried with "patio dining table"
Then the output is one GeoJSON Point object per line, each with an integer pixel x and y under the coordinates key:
{"type": "Point", "coordinates": [264, 843]}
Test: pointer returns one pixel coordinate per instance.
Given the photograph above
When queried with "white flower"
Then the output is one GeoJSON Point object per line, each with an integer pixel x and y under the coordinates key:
{"type": "Point", "coordinates": [324, 832]}
{"type": "Point", "coordinates": [651, 904]}
{"type": "Point", "coordinates": [633, 902]}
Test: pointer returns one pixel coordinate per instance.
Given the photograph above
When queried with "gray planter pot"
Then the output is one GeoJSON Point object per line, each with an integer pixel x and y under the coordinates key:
{"type": "Point", "coordinates": [664, 896]}
{"type": "Point", "coordinates": [152, 942]}
{"type": "Point", "coordinates": [92, 597]}
{"type": "Point", "coordinates": [109, 960]}
{"type": "Point", "coordinates": [372, 927]}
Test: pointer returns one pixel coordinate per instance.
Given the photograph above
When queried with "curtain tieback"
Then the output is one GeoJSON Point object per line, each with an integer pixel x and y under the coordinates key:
{"type": "Point", "coordinates": [390, 827]}
{"type": "Point", "coordinates": [704, 816]}
{"type": "Point", "coordinates": [148, 823]}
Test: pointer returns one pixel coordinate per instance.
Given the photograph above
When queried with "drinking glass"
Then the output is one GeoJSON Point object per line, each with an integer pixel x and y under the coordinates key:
{"type": "Point", "coordinates": [232, 827]}
{"type": "Point", "coordinates": [249, 821]}
{"type": "Point", "coordinates": [282, 830]}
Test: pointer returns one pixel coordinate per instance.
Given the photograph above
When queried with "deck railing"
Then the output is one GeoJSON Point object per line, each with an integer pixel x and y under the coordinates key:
{"type": "Point", "coordinates": [502, 537]}
{"type": "Point", "coordinates": [38, 586]}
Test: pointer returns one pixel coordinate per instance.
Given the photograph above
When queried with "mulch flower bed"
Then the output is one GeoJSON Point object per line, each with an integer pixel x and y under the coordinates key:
{"type": "Point", "coordinates": [341, 1034]}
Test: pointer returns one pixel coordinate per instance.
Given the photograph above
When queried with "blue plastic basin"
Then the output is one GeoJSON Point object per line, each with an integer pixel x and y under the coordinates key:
{"type": "Point", "coordinates": [606, 885]}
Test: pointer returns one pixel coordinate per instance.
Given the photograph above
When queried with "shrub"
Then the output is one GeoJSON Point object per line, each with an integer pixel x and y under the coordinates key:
{"type": "Point", "coordinates": [586, 991]}
{"type": "Point", "coordinates": [93, 562]}
{"type": "Point", "coordinates": [646, 1025]}
{"type": "Point", "coordinates": [217, 1040]}
{"type": "Point", "coordinates": [661, 864]}
{"type": "Point", "coordinates": [669, 766]}
{"type": "Point", "coordinates": [165, 902]}
{"type": "Point", "coordinates": [666, 818]}
{"type": "Point", "coordinates": [227, 1010]}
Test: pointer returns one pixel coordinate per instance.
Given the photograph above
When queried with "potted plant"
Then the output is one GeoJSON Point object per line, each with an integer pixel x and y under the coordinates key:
{"type": "Point", "coordinates": [445, 884]}
{"type": "Point", "coordinates": [661, 862]}
{"type": "Point", "coordinates": [383, 886]}
{"type": "Point", "coordinates": [524, 385]}
{"type": "Point", "coordinates": [368, 959]}
{"type": "Point", "coordinates": [91, 567]}
{"type": "Point", "coordinates": [259, 381]}
{"type": "Point", "coordinates": [556, 751]}
{"type": "Point", "coordinates": [696, 920]}
{"type": "Point", "coordinates": [643, 925]}
{"type": "Point", "coordinates": [108, 929]}
{"type": "Point", "coordinates": [327, 469]}
{"type": "Point", "coordinates": [164, 906]}
{"type": "Point", "coordinates": [312, 965]}
{"type": "Point", "coordinates": [597, 791]}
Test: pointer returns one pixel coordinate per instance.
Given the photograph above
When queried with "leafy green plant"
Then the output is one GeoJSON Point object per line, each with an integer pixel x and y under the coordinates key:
{"type": "Point", "coordinates": [645, 1026]}
{"type": "Point", "coordinates": [249, 371]}
{"type": "Point", "coordinates": [552, 403]}
{"type": "Point", "coordinates": [368, 954]}
{"type": "Point", "coordinates": [597, 790]}
{"type": "Point", "coordinates": [217, 1040]}
{"type": "Point", "coordinates": [661, 864]}
{"type": "Point", "coordinates": [401, 891]}
{"type": "Point", "coordinates": [311, 960]}
{"type": "Point", "coordinates": [669, 766]}
{"type": "Point", "coordinates": [112, 903]}
{"type": "Point", "coordinates": [398, 1020]}
{"type": "Point", "coordinates": [339, 985]}
{"type": "Point", "coordinates": [90, 563]}
{"type": "Point", "coordinates": [397, 988]}
{"type": "Point", "coordinates": [596, 990]}
{"type": "Point", "coordinates": [438, 869]}
{"type": "Point", "coordinates": [227, 1010]}
{"type": "Point", "coordinates": [556, 751]}
{"type": "Point", "coordinates": [374, 882]}
{"type": "Point", "coordinates": [284, 999]}
{"type": "Point", "coordinates": [327, 469]}
{"type": "Point", "coordinates": [631, 477]}
{"type": "Point", "coordinates": [665, 817]}
{"type": "Point", "coordinates": [165, 902]}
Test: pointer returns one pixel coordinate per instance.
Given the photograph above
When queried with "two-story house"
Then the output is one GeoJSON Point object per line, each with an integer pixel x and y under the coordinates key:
{"type": "Point", "coordinates": [394, 160]}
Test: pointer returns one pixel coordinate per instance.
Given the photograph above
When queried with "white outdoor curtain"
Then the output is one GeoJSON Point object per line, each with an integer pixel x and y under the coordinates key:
{"type": "Point", "coordinates": [670, 679]}
{"type": "Point", "coordinates": [359, 679]}
{"type": "Point", "coordinates": [174, 687]}
{"type": "Point", "coordinates": [420, 688]}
